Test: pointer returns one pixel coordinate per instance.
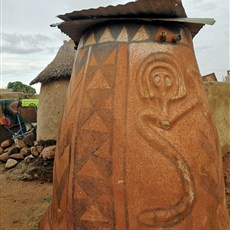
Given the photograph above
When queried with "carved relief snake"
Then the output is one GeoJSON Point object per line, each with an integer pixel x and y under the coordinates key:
{"type": "Point", "coordinates": [160, 82]}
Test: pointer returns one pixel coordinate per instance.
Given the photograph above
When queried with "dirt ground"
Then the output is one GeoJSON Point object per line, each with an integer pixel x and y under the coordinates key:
{"type": "Point", "coordinates": [22, 204]}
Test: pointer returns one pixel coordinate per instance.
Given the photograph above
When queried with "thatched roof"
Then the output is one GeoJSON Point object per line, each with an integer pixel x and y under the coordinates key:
{"type": "Point", "coordinates": [60, 67]}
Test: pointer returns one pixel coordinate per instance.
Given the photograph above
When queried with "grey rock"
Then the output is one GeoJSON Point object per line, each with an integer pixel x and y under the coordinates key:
{"type": "Point", "coordinates": [11, 163]}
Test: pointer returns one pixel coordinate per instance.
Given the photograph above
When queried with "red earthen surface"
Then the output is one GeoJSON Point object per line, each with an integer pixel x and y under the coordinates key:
{"type": "Point", "coordinates": [137, 148]}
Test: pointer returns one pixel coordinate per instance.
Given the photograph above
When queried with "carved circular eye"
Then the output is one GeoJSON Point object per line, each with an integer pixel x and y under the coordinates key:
{"type": "Point", "coordinates": [168, 81]}
{"type": "Point", "coordinates": [157, 79]}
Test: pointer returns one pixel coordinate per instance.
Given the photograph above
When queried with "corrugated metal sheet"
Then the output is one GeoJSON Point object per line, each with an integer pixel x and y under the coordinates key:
{"type": "Point", "coordinates": [141, 8]}
{"type": "Point", "coordinates": [77, 22]}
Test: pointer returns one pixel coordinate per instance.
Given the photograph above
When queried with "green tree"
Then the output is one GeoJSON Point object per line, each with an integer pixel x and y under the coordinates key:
{"type": "Point", "coordinates": [18, 86]}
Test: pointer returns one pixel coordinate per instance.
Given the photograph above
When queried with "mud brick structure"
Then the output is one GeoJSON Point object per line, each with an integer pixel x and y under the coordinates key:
{"type": "Point", "coordinates": [137, 148]}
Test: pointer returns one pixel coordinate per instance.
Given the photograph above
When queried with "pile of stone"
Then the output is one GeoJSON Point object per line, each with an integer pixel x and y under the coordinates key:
{"type": "Point", "coordinates": [27, 152]}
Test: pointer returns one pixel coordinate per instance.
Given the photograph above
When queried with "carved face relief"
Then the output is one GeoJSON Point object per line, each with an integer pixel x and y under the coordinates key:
{"type": "Point", "coordinates": [162, 82]}
{"type": "Point", "coordinates": [160, 77]}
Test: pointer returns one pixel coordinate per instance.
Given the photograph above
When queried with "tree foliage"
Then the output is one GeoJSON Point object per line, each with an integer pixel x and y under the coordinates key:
{"type": "Point", "coordinates": [18, 86]}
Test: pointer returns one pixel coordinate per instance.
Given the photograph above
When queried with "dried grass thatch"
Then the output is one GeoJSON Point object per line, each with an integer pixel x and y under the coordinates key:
{"type": "Point", "coordinates": [60, 67]}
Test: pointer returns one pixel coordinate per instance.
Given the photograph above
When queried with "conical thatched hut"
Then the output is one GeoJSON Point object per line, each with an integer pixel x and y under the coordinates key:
{"type": "Point", "coordinates": [54, 81]}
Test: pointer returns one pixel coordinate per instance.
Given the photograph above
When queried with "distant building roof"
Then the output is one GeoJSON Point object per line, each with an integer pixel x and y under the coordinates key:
{"type": "Point", "coordinates": [60, 67]}
{"type": "Point", "coordinates": [227, 77]}
{"type": "Point", "coordinates": [209, 77]}
{"type": "Point", "coordinates": [77, 22]}
{"type": "Point", "coordinates": [228, 73]}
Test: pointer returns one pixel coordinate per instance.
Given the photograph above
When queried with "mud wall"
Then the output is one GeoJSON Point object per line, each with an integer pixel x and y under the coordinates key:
{"type": "Point", "coordinates": [51, 104]}
{"type": "Point", "coordinates": [218, 94]}
{"type": "Point", "coordinates": [12, 95]}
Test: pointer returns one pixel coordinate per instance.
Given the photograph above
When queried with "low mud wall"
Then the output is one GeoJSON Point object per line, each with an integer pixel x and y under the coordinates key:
{"type": "Point", "coordinates": [218, 94]}
{"type": "Point", "coordinates": [12, 95]}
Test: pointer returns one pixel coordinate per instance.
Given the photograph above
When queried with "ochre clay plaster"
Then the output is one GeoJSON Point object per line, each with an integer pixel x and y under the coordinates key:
{"type": "Point", "coordinates": [137, 148]}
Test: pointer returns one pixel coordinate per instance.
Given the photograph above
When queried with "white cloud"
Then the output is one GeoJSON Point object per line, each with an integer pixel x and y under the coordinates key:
{"type": "Point", "coordinates": [211, 44]}
{"type": "Point", "coordinates": [29, 43]}
{"type": "Point", "coordinates": [26, 43]}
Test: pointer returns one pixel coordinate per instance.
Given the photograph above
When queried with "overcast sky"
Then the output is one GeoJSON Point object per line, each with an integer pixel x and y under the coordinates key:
{"type": "Point", "coordinates": [29, 44]}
